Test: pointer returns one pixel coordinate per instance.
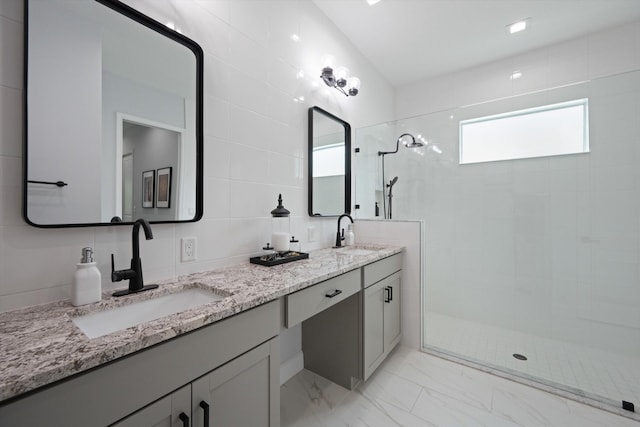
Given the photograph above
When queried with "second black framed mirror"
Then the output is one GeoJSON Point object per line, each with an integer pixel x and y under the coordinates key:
{"type": "Point", "coordinates": [329, 164]}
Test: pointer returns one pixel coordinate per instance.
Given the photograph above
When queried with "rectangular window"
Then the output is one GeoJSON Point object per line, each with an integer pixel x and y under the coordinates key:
{"type": "Point", "coordinates": [549, 130]}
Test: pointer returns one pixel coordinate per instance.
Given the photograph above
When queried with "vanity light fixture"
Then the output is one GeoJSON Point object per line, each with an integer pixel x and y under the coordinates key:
{"type": "Point", "coordinates": [340, 80]}
{"type": "Point", "coordinates": [516, 75]}
{"type": "Point", "coordinates": [372, 2]}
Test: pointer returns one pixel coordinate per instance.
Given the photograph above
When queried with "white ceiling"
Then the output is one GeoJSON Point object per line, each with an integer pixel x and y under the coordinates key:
{"type": "Point", "coordinates": [410, 40]}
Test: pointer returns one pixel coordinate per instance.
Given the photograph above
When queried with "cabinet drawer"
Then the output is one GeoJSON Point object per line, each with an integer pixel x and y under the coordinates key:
{"type": "Point", "coordinates": [380, 269]}
{"type": "Point", "coordinates": [303, 304]}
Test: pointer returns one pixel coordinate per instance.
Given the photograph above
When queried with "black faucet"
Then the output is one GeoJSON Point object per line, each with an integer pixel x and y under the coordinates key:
{"type": "Point", "coordinates": [134, 273]}
{"type": "Point", "coordinates": [339, 237]}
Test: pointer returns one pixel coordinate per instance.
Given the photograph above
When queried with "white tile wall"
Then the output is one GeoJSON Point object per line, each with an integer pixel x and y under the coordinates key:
{"type": "Point", "coordinates": [255, 143]}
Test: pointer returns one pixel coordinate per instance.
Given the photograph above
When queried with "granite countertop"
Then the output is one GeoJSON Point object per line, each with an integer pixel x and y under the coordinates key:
{"type": "Point", "coordinates": [41, 344]}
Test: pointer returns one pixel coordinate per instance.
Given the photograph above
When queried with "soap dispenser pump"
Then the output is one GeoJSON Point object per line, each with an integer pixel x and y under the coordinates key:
{"type": "Point", "coordinates": [87, 281]}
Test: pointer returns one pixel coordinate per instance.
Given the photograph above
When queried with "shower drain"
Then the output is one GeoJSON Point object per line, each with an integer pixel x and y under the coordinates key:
{"type": "Point", "coordinates": [519, 356]}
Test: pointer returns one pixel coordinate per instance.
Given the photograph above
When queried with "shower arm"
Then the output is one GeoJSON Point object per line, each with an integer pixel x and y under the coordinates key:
{"type": "Point", "coordinates": [382, 153]}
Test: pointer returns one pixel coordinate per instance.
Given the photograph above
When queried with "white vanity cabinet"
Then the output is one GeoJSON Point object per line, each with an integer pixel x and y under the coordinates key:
{"type": "Point", "coordinates": [229, 358]}
{"type": "Point", "coordinates": [381, 329]}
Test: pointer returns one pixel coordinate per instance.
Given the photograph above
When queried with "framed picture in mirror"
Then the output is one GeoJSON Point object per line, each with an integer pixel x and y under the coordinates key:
{"type": "Point", "coordinates": [163, 193]}
{"type": "Point", "coordinates": [148, 188]}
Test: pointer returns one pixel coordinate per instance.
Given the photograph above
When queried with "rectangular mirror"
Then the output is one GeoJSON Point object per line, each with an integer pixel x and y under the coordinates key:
{"type": "Point", "coordinates": [329, 164]}
{"type": "Point", "coordinates": [113, 117]}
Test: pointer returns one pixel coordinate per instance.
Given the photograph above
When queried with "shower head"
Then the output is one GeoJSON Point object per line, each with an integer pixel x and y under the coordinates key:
{"type": "Point", "coordinates": [393, 181]}
{"type": "Point", "coordinates": [409, 141]}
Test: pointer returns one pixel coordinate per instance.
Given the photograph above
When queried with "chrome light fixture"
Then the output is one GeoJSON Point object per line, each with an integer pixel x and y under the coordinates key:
{"type": "Point", "coordinates": [340, 80]}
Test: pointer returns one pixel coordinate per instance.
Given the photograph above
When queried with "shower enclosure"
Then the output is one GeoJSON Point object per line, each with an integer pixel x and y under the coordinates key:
{"type": "Point", "coordinates": [532, 265]}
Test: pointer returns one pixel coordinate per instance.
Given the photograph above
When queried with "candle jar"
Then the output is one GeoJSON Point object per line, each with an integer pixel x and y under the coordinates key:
{"type": "Point", "coordinates": [280, 227]}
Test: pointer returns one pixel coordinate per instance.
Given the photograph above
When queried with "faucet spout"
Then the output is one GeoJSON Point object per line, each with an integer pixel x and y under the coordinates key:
{"type": "Point", "coordinates": [339, 237]}
{"type": "Point", "coordinates": [135, 240]}
{"type": "Point", "coordinates": [134, 273]}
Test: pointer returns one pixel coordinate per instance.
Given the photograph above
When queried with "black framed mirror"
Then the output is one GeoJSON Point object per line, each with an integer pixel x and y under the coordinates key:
{"type": "Point", "coordinates": [329, 164]}
{"type": "Point", "coordinates": [113, 117]}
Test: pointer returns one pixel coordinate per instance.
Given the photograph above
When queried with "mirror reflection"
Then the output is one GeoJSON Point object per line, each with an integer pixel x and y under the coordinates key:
{"type": "Point", "coordinates": [329, 164]}
{"type": "Point", "coordinates": [113, 111]}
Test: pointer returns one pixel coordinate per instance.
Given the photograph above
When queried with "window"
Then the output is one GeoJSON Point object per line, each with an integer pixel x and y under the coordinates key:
{"type": "Point", "coordinates": [542, 131]}
{"type": "Point", "coordinates": [328, 160]}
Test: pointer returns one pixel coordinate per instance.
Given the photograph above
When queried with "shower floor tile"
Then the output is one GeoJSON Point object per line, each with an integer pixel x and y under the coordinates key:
{"type": "Point", "coordinates": [597, 373]}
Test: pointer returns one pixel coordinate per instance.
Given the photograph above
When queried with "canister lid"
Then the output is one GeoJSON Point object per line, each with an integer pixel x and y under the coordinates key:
{"type": "Point", "coordinates": [280, 210]}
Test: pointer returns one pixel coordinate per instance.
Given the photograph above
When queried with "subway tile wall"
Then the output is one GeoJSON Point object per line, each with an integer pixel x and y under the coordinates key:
{"type": "Point", "coordinates": [255, 139]}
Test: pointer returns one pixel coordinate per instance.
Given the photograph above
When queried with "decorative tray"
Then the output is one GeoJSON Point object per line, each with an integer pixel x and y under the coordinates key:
{"type": "Point", "coordinates": [278, 258]}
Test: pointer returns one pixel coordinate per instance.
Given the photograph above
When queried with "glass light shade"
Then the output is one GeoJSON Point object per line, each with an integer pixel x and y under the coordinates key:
{"type": "Point", "coordinates": [328, 61]}
{"type": "Point", "coordinates": [342, 73]}
{"type": "Point", "coordinates": [354, 83]}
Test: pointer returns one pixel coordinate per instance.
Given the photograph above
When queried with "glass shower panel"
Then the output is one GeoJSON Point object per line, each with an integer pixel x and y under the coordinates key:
{"type": "Point", "coordinates": [538, 258]}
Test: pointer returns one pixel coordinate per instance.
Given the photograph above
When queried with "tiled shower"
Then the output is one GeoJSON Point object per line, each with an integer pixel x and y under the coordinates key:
{"type": "Point", "coordinates": [538, 257]}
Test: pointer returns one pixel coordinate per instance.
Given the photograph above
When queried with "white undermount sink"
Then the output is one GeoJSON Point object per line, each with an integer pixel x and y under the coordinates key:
{"type": "Point", "coordinates": [105, 322]}
{"type": "Point", "coordinates": [355, 251]}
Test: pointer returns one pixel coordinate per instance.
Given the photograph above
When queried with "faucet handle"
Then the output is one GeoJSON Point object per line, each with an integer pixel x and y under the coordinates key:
{"type": "Point", "coordinates": [119, 275]}
{"type": "Point", "coordinates": [114, 276]}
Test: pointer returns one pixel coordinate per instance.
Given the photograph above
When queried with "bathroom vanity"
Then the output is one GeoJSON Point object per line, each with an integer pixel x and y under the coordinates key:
{"type": "Point", "coordinates": [214, 364]}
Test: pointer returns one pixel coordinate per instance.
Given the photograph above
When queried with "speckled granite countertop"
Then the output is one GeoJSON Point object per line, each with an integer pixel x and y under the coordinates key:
{"type": "Point", "coordinates": [40, 345]}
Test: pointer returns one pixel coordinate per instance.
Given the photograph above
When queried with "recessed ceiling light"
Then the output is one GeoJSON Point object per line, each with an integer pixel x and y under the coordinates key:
{"type": "Point", "coordinates": [516, 27]}
{"type": "Point", "coordinates": [372, 2]}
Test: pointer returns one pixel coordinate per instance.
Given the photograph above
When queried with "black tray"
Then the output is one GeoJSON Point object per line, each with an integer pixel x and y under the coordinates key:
{"type": "Point", "coordinates": [280, 258]}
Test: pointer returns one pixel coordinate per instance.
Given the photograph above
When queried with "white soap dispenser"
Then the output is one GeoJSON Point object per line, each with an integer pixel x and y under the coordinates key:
{"type": "Point", "coordinates": [87, 281]}
{"type": "Point", "coordinates": [350, 237]}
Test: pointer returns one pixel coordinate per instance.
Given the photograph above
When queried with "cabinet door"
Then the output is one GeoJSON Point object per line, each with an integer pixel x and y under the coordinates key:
{"type": "Point", "coordinates": [392, 329]}
{"type": "Point", "coordinates": [171, 411]}
{"type": "Point", "coordinates": [373, 327]}
{"type": "Point", "coordinates": [244, 392]}
{"type": "Point", "coordinates": [382, 312]}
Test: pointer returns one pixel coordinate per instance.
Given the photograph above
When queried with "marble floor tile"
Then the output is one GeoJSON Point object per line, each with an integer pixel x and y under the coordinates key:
{"type": "Point", "coordinates": [443, 410]}
{"type": "Point", "coordinates": [309, 400]}
{"type": "Point", "coordinates": [431, 373]}
{"type": "Point", "coordinates": [415, 389]}
{"type": "Point", "coordinates": [393, 389]}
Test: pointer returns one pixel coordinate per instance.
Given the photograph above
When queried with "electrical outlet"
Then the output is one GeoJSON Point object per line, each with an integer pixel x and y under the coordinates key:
{"type": "Point", "coordinates": [188, 252]}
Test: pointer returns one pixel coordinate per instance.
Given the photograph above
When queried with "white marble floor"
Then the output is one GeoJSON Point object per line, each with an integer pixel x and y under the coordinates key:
{"type": "Point", "coordinates": [412, 388]}
{"type": "Point", "coordinates": [596, 372]}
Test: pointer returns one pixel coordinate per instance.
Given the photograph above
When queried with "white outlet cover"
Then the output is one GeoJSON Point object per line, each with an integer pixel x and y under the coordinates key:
{"type": "Point", "coordinates": [188, 252]}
